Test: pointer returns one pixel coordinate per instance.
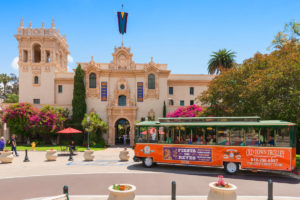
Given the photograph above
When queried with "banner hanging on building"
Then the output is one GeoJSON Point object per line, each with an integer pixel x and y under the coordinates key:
{"type": "Point", "coordinates": [140, 92]}
{"type": "Point", "coordinates": [104, 91]}
{"type": "Point", "coordinates": [122, 20]}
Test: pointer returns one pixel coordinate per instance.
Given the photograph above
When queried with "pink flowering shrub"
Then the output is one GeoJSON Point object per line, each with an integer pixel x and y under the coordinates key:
{"type": "Point", "coordinates": [23, 118]}
{"type": "Point", "coordinates": [186, 111]}
{"type": "Point", "coordinates": [18, 117]}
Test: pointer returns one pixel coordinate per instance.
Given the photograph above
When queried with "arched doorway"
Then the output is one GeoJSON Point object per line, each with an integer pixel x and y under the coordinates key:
{"type": "Point", "coordinates": [122, 136]}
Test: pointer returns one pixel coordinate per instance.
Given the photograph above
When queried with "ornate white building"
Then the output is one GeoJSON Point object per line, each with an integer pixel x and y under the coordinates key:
{"type": "Point", "coordinates": [119, 91]}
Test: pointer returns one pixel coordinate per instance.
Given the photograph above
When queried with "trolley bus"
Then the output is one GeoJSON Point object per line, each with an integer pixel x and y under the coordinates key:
{"type": "Point", "coordinates": [230, 142]}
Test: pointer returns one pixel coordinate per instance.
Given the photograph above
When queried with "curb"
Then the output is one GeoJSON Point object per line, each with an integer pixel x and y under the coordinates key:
{"type": "Point", "coordinates": [164, 197]}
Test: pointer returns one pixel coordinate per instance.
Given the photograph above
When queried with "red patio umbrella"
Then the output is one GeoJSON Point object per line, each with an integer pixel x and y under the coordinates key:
{"type": "Point", "coordinates": [69, 131]}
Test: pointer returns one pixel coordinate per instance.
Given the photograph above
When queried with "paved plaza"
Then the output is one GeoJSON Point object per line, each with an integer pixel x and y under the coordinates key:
{"type": "Point", "coordinates": [40, 178]}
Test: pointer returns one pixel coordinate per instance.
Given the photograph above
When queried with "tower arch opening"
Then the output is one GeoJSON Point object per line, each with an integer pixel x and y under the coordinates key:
{"type": "Point", "coordinates": [36, 50]}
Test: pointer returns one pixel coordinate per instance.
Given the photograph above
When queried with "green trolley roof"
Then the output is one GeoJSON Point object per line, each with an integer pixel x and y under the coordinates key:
{"type": "Point", "coordinates": [215, 121]}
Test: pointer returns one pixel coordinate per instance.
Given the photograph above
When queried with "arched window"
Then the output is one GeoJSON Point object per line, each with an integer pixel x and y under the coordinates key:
{"type": "Point", "coordinates": [151, 81]}
{"type": "Point", "coordinates": [36, 80]}
{"type": "Point", "coordinates": [36, 49]}
{"type": "Point", "coordinates": [122, 100]}
{"type": "Point", "coordinates": [92, 80]}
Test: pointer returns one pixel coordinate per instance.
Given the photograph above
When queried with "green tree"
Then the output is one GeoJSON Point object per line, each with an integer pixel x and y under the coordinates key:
{"type": "Point", "coordinates": [78, 102]}
{"type": "Point", "coordinates": [13, 87]}
{"type": "Point", "coordinates": [220, 61]}
{"type": "Point", "coordinates": [265, 85]}
{"type": "Point", "coordinates": [164, 110]}
{"type": "Point", "coordinates": [12, 98]}
{"type": "Point", "coordinates": [290, 33]}
{"type": "Point", "coordinates": [4, 79]}
{"type": "Point", "coordinates": [95, 127]}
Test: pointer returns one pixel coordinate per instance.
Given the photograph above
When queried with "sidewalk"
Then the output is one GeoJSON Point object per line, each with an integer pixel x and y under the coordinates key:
{"type": "Point", "coordinates": [108, 159]}
{"type": "Point", "coordinates": [144, 197]}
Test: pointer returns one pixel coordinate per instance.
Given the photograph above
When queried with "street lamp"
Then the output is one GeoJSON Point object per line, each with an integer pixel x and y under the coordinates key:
{"type": "Point", "coordinates": [88, 124]}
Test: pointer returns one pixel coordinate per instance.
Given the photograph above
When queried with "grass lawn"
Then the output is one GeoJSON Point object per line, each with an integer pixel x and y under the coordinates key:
{"type": "Point", "coordinates": [298, 162]}
{"type": "Point", "coordinates": [47, 147]}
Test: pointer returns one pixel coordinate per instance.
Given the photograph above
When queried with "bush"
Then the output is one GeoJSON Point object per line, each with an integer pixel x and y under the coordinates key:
{"type": "Point", "coordinates": [186, 111]}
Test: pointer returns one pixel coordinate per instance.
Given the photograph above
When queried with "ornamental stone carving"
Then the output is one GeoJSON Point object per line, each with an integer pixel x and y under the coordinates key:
{"type": "Point", "coordinates": [89, 68]}
{"type": "Point", "coordinates": [151, 114]}
{"type": "Point", "coordinates": [122, 59]}
{"type": "Point", "coordinates": [114, 114]}
{"type": "Point", "coordinates": [119, 90]}
{"type": "Point", "coordinates": [151, 68]}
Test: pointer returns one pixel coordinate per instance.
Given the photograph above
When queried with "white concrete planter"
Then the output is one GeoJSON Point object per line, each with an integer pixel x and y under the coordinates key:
{"type": "Point", "coordinates": [122, 195]}
{"type": "Point", "coordinates": [88, 155]}
{"type": "Point", "coordinates": [6, 156]}
{"type": "Point", "coordinates": [51, 155]}
{"type": "Point", "coordinates": [222, 193]}
{"type": "Point", "coordinates": [124, 155]}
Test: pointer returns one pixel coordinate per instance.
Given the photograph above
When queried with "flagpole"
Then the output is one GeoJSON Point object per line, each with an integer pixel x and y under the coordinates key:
{"type": "Point", "coordinates": [122, 34]}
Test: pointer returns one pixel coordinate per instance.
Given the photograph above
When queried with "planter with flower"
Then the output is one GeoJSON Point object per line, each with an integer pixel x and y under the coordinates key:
{"type": "Point", "coordinates": [121, 192]}
{"type": "Point", "coordinates": [88, 155]}
{"type": "Point", "coordinates": [51, 155]}
{"type": "Point", "coordinates": [222, 190]}
{"type": "Point", "coordinates": [6, 156]}
{"type": "Point", "coordinates": [124, 155]}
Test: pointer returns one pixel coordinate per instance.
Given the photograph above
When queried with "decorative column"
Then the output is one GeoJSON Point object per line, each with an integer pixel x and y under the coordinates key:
{"type": "Point", "coordinates": [131, 136]}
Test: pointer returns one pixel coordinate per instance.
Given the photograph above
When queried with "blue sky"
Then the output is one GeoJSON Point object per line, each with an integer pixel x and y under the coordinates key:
{"type": "Point", "coordinates": [182, 34]}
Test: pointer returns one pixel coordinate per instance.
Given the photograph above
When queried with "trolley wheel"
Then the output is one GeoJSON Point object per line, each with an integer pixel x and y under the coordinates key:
{"type": "Point", "coordinates": [231, 167]}
{"type": "Point", "coordinates": [148, 162]}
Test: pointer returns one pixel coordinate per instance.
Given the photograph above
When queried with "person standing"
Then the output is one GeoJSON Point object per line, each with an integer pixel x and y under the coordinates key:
{"type": "Point", "coordinates": [124, 137]}
{"type": "Point", "coordinates": [13, 144]}
{"type": "Point", "coordinates": [2, 143]}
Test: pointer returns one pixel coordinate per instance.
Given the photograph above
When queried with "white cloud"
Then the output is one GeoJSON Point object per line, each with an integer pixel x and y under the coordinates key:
{"type": "Point", "coordinates": [70, 59]}
{"type": "Point", "coordinates": [14, 63]}
{"type": "Point", "coordinates": [70, 63]}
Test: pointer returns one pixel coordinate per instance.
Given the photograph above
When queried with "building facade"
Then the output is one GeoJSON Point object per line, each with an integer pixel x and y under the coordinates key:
{"type": "Point", "coordinates": [120, 91]}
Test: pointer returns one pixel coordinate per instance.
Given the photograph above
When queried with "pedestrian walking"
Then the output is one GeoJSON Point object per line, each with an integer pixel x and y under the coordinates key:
{"type": "Point", "coordinates": [2, 143]}
{"type": "Point", "coordinates": [13, 144]}
{"type": "Point", "coordinates": [125, 137]}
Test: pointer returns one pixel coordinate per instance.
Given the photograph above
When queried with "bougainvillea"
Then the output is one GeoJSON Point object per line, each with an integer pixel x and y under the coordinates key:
{"type": "Point", "coordinates": [18, 117]}
{"type": "Point", "coordinates": [186, 111]}
{"type": "Point", "coordinates": [25, 119]}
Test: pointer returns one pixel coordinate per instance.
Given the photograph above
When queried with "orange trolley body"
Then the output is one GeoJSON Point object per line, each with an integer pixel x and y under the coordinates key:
{"type": "Point", "coordinates": [271, 147]}
{"type": "Point", "coordinates": [269, 158]}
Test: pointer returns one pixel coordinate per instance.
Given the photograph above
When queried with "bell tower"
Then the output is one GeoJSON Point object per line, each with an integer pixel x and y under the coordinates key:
{"type": "Point", "coordinates": [43, 53]}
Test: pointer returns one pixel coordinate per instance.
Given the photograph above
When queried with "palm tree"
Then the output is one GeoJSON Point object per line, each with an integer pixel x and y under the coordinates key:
{"type": "Point", "coordinates": [4, 79]}
{"type": "Point", "coordinates": [221, 60]}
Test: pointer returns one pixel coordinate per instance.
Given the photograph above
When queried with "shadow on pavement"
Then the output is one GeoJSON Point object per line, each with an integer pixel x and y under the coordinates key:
{"type": "Point", "coordinates": [66, 154]}
{"type": "Point", "coordinates": [214, 172]}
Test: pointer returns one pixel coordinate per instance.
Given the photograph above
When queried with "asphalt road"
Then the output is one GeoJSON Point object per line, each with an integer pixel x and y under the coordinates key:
{"type": "Point", "coordinates": [189, 181]}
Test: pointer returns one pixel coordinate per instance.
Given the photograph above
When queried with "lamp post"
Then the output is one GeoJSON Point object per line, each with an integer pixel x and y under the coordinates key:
{"type": "Point", "coordinates": [88, 124]}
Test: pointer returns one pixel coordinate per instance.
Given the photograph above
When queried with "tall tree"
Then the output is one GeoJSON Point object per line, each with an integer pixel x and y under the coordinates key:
{"type": "Point", "coordinates": [13, 88]}
{"type": "Point", "coordinates": [78, 102]}
{"type": "Point", "coordinates": [4, 79]}
{"type": "Point", "coordinates": [221, 60]}
{"type": "Point", "coordinates": [164, 110]}
{"type": "Point", "coordinates": [290, 33]}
